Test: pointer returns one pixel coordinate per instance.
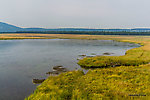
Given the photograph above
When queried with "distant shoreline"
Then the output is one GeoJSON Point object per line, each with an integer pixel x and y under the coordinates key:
{"type": "Point", "coordinates": [82, 32]}
{"type": "Point", "coordinates": [12, 36]}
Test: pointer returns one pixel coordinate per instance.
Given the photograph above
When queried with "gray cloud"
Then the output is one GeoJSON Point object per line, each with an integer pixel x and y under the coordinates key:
{"type": "Point", "coordinates": [76, 13]}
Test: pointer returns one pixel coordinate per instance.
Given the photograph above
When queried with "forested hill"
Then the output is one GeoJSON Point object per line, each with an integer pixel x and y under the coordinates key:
{"type": "Point", "coordinates": [4, 27]}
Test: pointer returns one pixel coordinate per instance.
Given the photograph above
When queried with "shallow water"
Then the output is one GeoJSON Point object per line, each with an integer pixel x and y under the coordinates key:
{"type": "Point", "coordinates": [23, 60]}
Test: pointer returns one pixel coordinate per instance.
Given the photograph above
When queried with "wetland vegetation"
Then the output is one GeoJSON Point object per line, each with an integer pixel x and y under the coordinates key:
{"type": "Point", "coordinates": [131, 80]}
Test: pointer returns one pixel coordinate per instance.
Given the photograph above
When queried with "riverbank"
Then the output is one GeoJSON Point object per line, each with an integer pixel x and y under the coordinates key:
{"type": "Point", "coordinates": [122, 82]}
{"type": "Point", "coordinates": [111, 83]}
{"type": "Point", "coordinates": [133, 57]}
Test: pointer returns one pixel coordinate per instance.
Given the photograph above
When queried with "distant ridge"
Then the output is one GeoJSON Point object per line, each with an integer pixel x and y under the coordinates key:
{"type": "Point", "coordinates": [4, 27]}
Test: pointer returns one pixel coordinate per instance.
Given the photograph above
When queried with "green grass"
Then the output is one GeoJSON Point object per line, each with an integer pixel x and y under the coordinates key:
{"type": "Point", "coordinates": [106, 84]}
{"type": "Point", "coordinates": [57, 87]}
{"type": "Point", "coordinates": [134, 57]}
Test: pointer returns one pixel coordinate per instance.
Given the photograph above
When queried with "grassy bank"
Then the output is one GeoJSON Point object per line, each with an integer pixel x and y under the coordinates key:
{"type": "Point", "coordinates": [128, 81]}
{"type": "Point", "coordinates": [133, 57]}
{"type": "Point", "coordinates": [117, 83]}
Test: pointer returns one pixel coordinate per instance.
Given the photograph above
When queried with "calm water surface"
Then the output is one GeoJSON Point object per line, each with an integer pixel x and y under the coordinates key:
{"type": "Point", "coordinates": [23, 60]}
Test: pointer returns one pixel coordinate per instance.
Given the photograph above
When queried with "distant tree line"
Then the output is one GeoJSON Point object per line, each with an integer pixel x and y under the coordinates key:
{"type": "Point", "coordinates": [85, 32]}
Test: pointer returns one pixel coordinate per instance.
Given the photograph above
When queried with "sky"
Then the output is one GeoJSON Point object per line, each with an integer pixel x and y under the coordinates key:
{"type": "Point", "coordinates": [76, 13]}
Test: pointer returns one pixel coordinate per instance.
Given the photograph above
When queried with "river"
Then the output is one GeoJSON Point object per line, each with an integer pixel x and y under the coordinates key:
{"type": "Point", "coordinates": [23, 60]}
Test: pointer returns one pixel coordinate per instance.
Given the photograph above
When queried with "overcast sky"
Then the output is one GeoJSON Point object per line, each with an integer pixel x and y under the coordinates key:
{"type": "Point", "coordinates": [76, 13]}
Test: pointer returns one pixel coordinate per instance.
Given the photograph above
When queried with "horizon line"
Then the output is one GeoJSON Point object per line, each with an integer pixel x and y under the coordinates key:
{"type": "Point", "coordinates": [76, 27]}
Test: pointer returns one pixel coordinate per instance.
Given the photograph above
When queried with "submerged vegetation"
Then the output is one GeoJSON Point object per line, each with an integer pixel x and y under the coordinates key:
{"type": "Point", "coordinates": [131, 80]}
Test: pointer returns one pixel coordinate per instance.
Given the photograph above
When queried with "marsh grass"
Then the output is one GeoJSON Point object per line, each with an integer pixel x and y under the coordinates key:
{"type": "Point", "coordinates": [102, 84]}
{"type": "Point", "coordinates": [134, 57]}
